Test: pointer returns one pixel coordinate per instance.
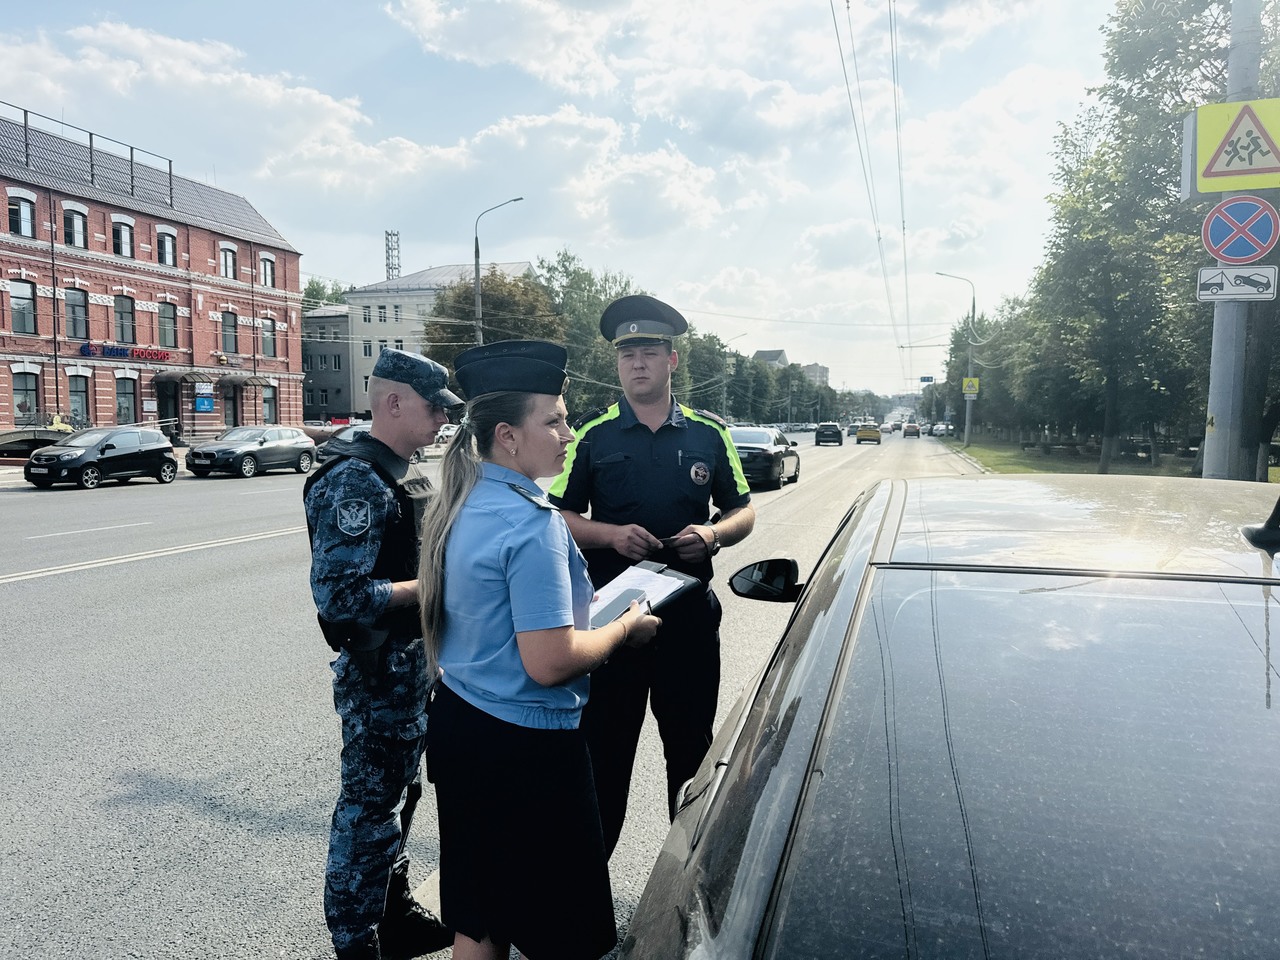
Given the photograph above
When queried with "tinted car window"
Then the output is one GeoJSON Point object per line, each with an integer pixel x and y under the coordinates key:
{"type": "Point", "coordinates": [762, 779]}
{"type": "Point", "coordinates": [1034, 766]}
{"type": "Point", "coordinates": [126, 438]}
{"type": "Point", "coordinates": [89, 438]}
{"type": "Point", "coordinates": [151, 436]}
{"type": "Point", "coordinates": [242, 434]}
{"type": "Point", "coordinates": [752, 436]}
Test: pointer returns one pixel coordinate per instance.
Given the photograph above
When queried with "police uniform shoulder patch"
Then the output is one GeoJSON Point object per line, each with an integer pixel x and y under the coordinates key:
{"type": "Point", "coordinates": [536, 499]}
{"type": "Point", "coordinates": [353, 517]}
{"type": "Point", "coordinates": [587, 417]}
{"type": "Point", "coordinates": [713, 417]}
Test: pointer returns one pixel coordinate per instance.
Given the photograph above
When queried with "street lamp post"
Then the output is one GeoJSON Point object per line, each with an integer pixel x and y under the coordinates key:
{"type": "Point", "coordinates": [724, 378]}
{"type": "Point", "coordinates": [973, 319]}
{"type": "Point", "coordinates": [479, 332]}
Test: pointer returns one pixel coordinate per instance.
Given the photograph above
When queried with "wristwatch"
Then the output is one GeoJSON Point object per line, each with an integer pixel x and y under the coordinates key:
{"type": "Point", "coordinates": [715, 543]}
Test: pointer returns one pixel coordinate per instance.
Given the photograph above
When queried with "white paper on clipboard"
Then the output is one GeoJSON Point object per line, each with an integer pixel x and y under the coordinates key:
{"type": "Point", "coordinates": [656, 581]}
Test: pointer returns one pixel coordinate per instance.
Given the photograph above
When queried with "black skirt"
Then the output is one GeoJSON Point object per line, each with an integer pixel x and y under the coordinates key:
{"type": "Point", "coordinates": [522, 857]}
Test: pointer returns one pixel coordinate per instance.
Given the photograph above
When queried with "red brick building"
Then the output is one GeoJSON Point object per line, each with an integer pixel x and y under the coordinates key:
{"type": "Point", "coordinates": [130, 294]}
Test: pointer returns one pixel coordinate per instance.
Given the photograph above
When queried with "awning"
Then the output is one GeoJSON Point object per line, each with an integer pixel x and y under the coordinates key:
{"type": "Point", "coordinates": [243, 380]}
{"type": "Point", "coordinates": [183, 376]}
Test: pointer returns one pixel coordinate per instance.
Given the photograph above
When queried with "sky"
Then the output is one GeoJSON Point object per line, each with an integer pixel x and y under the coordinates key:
{"type": "Point", "coordinates": [711, 151]}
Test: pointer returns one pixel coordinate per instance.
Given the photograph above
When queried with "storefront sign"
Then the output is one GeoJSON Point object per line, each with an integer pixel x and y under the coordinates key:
{"type": "Point", "coordinates": [123, 353]}
{"type": "Point", "coordinates": [204, 404]}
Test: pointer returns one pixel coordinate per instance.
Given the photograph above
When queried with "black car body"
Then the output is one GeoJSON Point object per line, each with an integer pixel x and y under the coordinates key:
{"type": "Point", "coordinates": [768, 457]}
{"type": "Point", "coordinates": [1258, 281]}
{"type": "Point", "coordinates": [828, 433]}
{"type": "Point", "coordinates": [87, 457]}
{"type": "Point", "coordinates": [343, 436]}
{"type": "Point", "coordinates": [246, 451]}
{"type": "Point", "coordinates": [1010, 717]}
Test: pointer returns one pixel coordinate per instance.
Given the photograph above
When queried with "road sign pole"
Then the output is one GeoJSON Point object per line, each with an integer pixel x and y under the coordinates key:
{"type": "Point", "coordinates": [1224, 457]}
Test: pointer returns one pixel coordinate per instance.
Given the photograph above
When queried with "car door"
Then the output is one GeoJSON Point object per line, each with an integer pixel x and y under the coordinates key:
{"type": "Point", "coordinates": [275, 450]}
{"type": "Point", "coordinates": [789, 455]}
{"type": "Point", "coordinates": [121, 454]}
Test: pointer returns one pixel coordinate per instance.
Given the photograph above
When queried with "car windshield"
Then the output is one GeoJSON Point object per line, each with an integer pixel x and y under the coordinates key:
{"type": "Point", "coordinates": [1020, 762]}
{"type": "Point", "coordinates": [750, 436]}
{"type": "Point", "coordinates": [241, 434]}
{"type": "Point", "coordinates": [350, 433]}
{"type": "Point", "coordinates": [85, 438]}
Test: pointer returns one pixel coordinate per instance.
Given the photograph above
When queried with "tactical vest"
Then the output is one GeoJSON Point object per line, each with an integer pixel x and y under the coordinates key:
{"type": "Point", "coordinates": [398, 555]}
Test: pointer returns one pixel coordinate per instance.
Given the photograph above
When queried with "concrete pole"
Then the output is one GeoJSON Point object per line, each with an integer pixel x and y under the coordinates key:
{"type": "Point", "coordinates": [1224, 455]}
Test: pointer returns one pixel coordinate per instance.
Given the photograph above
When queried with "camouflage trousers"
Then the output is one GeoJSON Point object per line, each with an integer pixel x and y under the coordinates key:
{"type": "Point", "coordinates": [384, 728]}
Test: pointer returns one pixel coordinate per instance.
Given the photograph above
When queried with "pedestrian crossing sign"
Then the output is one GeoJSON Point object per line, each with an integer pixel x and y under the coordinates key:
{"type": "Point", "coordinates": [1236, 146]}
{"type": "Point", "coordinates": [969, 386]}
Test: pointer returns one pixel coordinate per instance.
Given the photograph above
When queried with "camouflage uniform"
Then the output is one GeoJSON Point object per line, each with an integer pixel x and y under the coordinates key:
{"type": "Point", "coordinates": [363, 522]}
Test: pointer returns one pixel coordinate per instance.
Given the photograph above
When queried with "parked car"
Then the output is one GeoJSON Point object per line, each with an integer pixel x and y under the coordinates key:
{"type": "Point", "coordinates": [768, 458]}
{"type": "Point", "coordinates": [446, 432]}
{"type": "Point", "coordinates": [88, 457]}
{"type": "Point", "coordinates": [246, 451]}
{"type": "Point", "coordinates": [1260, 282]}
{"type": "Point", "coordinates": [911, 429]}
{"type": "Point", "coordinates": [345, 434]}
{"type": "Point", "coordinates": [989, 731]}
{"type": "Point", "coordinates": [868, 433]}
{"type": "Point", "coordinates": [943, 430]}
{"type": "Point", "coordinates": [827, 433]}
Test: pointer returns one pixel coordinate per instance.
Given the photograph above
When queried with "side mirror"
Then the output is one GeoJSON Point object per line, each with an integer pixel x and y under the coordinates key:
{"type": "Point", "coordinates": [776, 581]}
{"type": "Point", "coordinates": [105, 447]}
{"type": "Point", "coordinates": [262, 441]}
{"type": "Point", "coordinates": [795, 443]}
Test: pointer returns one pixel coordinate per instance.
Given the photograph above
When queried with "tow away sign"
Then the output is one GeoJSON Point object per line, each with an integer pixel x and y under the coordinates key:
{"type": "Point", "coordinates": [1237, 283]}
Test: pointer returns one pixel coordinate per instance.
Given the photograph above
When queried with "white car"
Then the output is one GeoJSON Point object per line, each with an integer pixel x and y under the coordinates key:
{"type": "Point", "coordinates": [939, 430]}
{"type": "Point", "coordinates": [446, 432]}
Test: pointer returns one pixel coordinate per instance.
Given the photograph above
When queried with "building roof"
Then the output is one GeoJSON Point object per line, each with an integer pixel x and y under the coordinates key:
{"type": "Point", "coordinates": [31, 155]}
{"type": "Point", "coordinates": [437, 278]}
{"type": "Point", "coordinates": [328, 310]}
{"type": "Point", "coordinates": [771, 356]}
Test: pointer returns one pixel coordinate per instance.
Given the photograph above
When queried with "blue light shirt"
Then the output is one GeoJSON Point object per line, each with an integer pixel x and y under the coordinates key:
{"type": "Point", "coordinates": [511, 565]}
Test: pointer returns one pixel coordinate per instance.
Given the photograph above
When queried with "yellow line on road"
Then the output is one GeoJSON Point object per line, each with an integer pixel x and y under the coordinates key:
{"type": "Point", "coordinates": [147, 555]}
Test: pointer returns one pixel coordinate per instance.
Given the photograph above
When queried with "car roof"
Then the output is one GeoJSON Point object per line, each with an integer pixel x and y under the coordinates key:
{"type": "Point", "coordinates": [1157, 525]}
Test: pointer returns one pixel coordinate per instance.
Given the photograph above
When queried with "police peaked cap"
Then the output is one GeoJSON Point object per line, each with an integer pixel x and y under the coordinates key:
{"type": "Point", "coordinates": [524, 366]}
{"type": "Point", "coordinates": [427, 378]}
{"type": "Point", "coordinates": [638, 320]}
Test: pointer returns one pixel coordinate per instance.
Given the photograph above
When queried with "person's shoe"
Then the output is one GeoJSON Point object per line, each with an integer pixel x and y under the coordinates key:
{"type": "Point", "coordinates": [367, 949]}
{"type": "Point", "coordinates": [413, 933]}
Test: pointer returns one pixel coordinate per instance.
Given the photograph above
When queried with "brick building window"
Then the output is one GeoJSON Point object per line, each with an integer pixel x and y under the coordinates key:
{"type": "Point", "coordinates": [270, 410]}
{"type": "Point", "coordinates": [167, 249]}
{"type": "Point", "coordinates": [26, 398]}
{"type": "Point", "coordinates": [22, 301]}
{"type": "Point", "coordinates": [122, 239]}
{"type": "Point", "coordinates": [126, 329]}
{"type": "Point", "coordinates": [78, 397]}
{"type": "Point", "coordinates": [229, 340]}
{"type": "Point", "coordinates": [267, 271]}
{"type": "Point", "coordinates": [269, 339]}
{"type": "Point", "coordinates": [228, 262]}
{"type": "Point", "coordinates": [75, 228]}
{"type": "Point", "coordinates": [168, 321]}
{"type": "Point", "coordinates": [22, 217]}
{"type": "Point", "coordinates": [126, 402]}
{"type": "Point", "coordinates": [77, 306]}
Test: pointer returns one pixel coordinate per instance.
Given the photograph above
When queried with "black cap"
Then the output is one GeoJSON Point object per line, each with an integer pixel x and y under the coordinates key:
{"type": "Point", "coordinates": [428, 379]}
{"type": "Point", "coordinates": [525, 366]}
{"type": "Point", "coordinates": [637, 320]}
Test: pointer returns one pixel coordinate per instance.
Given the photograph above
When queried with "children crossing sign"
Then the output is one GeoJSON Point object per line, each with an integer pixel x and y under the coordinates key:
{"type": "Point", "coordinates": [1236, 146]}
{"type": "Point", "coordinates": [969, 387]}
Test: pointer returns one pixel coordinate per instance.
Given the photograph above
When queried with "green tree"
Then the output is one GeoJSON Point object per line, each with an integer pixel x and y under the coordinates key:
{"type": "Point", "coordinates": [316, 293]}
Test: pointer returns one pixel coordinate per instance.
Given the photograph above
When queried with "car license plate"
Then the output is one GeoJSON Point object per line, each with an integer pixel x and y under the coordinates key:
{"type": "Point", "coordinates": [39, 469]}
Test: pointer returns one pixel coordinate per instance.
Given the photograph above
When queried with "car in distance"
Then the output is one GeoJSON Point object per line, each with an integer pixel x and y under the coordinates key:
{"type": "Point", "coordinates": [247, 451]}
{"type": "Point", "coordinates": [1258, 281]}
{"type": "Point", "coordinates": [88, 457]}
{"type": "Point", "coordinates": [828, 433]}
{"type": "Point", "coordinates": [886, 428]}
{"type": "Point", "coordinates": [981, 715]}
{"type": "Point", "coordinates": [942, 429]}
{"type": "Point", "coordinates": [853, 429]}
{"type": "Point", "coordinates": [447, 432]}
{"type": "Point", "coordinates": [911, 429]}
{"type": "Point", "coordinates": [768, 458]}
{"type": "Point", "coordinates": [867, 433]}
{"type": "Point", "coordinates": [344, 435]}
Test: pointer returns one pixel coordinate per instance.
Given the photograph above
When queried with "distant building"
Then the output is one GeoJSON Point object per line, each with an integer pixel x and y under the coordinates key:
{"type": "Point", "coordinates": [817, 374]}
{"type": "Point", "coordinates": [389, 313]}
{"type": "Point", "coordinates": [129, 294]}
{"type": "Point", "coordinates": [326, 363]}
{"type": "Point", "coordinates": [774, 358]}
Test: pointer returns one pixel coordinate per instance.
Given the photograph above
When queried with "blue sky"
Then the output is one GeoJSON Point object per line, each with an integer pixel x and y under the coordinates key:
{"type": "Point", "coordinates": [705, 149]}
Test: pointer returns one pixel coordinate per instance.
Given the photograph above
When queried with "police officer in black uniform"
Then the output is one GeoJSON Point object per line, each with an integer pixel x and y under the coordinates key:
{"type": "Point", "coordinates": [647, 468]}
{"type": "Point", "coordinates": [364, 509]}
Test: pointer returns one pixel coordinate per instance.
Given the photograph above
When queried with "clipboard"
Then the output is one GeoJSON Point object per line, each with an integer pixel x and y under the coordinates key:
{"type": "Point", "coordinates": [648, 581]}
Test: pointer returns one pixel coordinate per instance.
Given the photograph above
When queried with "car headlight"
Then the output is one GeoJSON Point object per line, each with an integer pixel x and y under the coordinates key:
{"type": "Point", "coordinates": [73, 455]}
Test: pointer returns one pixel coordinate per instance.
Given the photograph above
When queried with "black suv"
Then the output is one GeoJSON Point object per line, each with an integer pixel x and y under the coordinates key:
{"type": "Point", "coordinates": [826, 432]}
{"type": "Point", "coordinates": [103, 453]}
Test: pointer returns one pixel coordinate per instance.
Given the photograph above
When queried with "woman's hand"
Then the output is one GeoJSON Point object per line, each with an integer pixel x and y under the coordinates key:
{"type": "Point", "coordinates": [641, 626]}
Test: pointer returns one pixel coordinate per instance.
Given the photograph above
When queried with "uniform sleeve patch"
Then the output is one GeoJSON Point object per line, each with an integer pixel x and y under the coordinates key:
{"type": "Point", "coordinates": [353, 517]}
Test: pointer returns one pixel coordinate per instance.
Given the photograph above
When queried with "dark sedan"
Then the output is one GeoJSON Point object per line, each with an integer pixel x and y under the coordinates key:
{"type": "Point", "coordinates": [344, 435]}
{"type": "Point", "coordinates": [1018, 718]}
{"type": "Point", "coordinates": [246, 451]}
{"type": "Point", "coordinates": [90, 456]}
{"type": "Point", "coordinates": [768, 457]}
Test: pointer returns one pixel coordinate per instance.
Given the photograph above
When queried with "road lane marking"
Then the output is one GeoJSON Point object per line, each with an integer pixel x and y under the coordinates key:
{"type": "Point", "coordinates": [148, 555]}
{"type": "Point", "coordinates": [67, 533]}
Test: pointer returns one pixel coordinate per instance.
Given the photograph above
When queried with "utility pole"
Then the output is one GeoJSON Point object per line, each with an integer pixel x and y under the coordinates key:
{"type": "Point", "coordinates": [1224, 455]}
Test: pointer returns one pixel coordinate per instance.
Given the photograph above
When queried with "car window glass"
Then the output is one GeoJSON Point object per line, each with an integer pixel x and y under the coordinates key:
{"type": "Point", "coordinates": [125, 439]}
{"type": "Point", "coordinates": [242, 434]}
{"type": "Point", "coordinates": [274, 435]}
{"type": "Point", "coordinates": [762, 780]}
{"type": "Point", "coordinates": [89, 438]}
{"type": "Point", "coordinates": [749, 436]}
{"type": "Point", "coordinates": [151, 436]}
{"type": "Point", "coordinates": [1030, 766]}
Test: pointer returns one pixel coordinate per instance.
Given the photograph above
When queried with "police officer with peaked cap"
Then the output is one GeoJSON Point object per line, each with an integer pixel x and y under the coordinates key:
{"type": "Point", "coordinates": [364, 510]}
{"type": "Point", "coordinates": [648, 468]}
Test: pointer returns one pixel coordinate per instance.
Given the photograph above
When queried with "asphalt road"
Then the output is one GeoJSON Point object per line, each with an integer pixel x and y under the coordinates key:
{"type": "Point", "coordinates": [170, 743]}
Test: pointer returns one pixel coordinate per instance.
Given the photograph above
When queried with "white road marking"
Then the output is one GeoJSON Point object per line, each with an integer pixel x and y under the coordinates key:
{"type": "Point", "coordinates": [67, 533]}
{"type": "Point", "coordinates": [148, 555]}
